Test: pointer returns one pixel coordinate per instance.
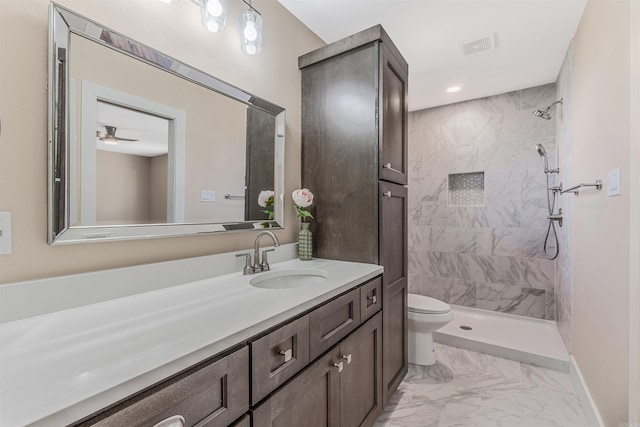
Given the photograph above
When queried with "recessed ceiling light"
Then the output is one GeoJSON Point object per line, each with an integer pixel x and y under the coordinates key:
{"type": "Point", "coordinates": [454, 89]}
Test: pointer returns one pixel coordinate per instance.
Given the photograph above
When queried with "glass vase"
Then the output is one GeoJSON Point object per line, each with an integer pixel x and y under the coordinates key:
{"type": "Point", "coordinates": [305, 242]}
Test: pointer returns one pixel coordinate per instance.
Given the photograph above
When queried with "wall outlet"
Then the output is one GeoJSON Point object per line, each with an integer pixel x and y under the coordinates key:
{"type": "Point", "coordinates": [613, 183]}
{"type": "Point", "coordinates": [207, 196]}
{"type": "Point", "coordinates": [5, 232]}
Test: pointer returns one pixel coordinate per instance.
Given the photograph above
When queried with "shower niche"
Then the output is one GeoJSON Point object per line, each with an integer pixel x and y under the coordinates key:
{"type": "Point", "coordinates": [466, 189]}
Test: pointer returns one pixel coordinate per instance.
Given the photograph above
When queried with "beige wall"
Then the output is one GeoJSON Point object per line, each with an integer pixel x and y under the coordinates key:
{"type": "Point", "coordinates": [123, 183]}
{"type": "Point", "coordinates": [175, 30]}
{"type": "Point", "coordinates": [601, 239]}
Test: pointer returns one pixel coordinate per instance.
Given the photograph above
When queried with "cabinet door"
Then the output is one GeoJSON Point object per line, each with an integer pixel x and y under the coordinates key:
{"type": "Point", "coordinates": [310, 400]}
{"type": "Point", "coordinates": [361, 378]}
{"type": "Point", "coordinates": [393, 256]}
{"type": "Point", "coordinates": [393, 123]}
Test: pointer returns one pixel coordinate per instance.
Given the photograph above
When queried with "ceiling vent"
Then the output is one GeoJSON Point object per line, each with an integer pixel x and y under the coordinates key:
{"type": "Point", "coordinates": [483, 44]}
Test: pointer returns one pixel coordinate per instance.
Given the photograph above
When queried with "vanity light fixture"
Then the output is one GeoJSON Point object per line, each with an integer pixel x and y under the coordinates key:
{"type": "Point", "coordinates": [213, 15]}
{"type": "Point", "coordinates": [454, 89]}
{"type": "Point", "coordinates": [251, 31]}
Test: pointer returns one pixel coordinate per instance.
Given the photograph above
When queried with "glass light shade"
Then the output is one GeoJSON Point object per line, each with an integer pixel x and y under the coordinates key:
{"type": "Point", "coordinates": [215, 21]}
{"type": "Point", "coordinates": [251, 32]}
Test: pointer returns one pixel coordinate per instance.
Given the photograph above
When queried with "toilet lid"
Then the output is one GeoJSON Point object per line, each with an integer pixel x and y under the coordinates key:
{"type": "Point", "coordinates": [423, 304]}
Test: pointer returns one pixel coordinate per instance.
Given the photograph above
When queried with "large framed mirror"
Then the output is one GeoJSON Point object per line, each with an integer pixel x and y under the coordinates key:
{"type": "Point", "coordinates": [142, 145]}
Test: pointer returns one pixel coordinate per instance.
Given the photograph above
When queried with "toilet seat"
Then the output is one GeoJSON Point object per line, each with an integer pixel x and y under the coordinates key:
{"type": "Point", "coordinates": [426, 305]}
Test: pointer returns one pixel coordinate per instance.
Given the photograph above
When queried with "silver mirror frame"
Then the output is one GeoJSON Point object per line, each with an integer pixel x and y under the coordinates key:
{"type": "Point", "coordinates": [64, 22]}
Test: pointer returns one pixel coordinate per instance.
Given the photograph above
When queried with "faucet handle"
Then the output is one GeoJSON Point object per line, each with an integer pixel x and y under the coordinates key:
{"type": "Point", "coordinates": [264, 265]}
{"type": "Point", "coordinates": [247, 264]}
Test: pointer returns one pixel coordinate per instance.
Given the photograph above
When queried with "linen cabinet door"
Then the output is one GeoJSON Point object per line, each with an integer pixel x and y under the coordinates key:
{"type": "Point", "coordinates": [361, 378]}
{"type": "Point", "coordinates": [393, 123]}
{"type": "Point", "coordinates": [310, 400]}
{"type": "Point", "coordinates": [393, 256]}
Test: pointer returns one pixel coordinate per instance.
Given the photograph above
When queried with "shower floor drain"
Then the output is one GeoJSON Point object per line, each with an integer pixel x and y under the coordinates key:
{"type": "Point", "coordinates": [466, 328]}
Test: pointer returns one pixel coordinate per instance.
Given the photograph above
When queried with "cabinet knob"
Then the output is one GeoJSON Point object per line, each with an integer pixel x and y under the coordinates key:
{"type": "Point", "coordinates": [387, 166]}
{"type": "Point", "coordinates": [387, 194]}
{"type": "Point", "coordinates": [347, 357]}
{"type": "Point", "coordinates": [339, 365]}
{"type": "Point", "coordinates": [288, 355]}
{"type": "Point", "coordinates": [174, 421]}
{"type": "Point", "coordinates": [373, 299]}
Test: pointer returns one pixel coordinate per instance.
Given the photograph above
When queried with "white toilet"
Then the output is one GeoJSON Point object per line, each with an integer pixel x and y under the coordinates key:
{"type": "Point", "coordinates": [425, 316]}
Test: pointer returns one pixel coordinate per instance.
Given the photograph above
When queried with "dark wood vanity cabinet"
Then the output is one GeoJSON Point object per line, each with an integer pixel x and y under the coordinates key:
{"type": "Point", "coordinates": [341, 388]}
{"type": "Point", "coordinates": [354, 160]}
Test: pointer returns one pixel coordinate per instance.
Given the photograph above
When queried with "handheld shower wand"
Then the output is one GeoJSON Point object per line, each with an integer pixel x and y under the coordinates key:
{"type": "Point", "coordinates": [543, 153]}
{"type": "Point", "coordinates": [552, 193]}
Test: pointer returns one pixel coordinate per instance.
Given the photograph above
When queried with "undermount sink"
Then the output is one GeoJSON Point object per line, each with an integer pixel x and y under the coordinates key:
{"type": "Point", "coordinates": [288, 279]}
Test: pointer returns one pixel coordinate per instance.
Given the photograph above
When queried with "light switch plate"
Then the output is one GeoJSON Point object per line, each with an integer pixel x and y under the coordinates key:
{"type": "Point", "coordinates": [207, 196]}
{"type": "Point", "coordinates": [613, 182]}
{"type": "Point", "coordinates": [5, 232]}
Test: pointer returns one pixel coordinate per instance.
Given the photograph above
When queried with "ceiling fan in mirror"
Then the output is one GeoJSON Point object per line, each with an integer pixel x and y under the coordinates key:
{"type": "Point", "coordinates": [110, 137]}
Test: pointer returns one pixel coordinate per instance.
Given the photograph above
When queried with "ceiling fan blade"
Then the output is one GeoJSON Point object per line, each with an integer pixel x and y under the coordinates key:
{"type": "Point", "coordinates": [101, 134]}
{"type": "Point", "coordinates": [124, 139]}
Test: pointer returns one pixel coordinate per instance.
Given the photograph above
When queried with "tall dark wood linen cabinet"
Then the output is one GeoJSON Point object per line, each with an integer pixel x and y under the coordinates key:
{"type": "Point", "coordinates": [354, 160]}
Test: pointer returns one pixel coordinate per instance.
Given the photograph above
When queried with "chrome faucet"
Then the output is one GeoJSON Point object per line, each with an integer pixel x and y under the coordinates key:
{"type": "Point", "coordinates": [258, 265]}
{"type": "Point", "coordinates": [262, 265]}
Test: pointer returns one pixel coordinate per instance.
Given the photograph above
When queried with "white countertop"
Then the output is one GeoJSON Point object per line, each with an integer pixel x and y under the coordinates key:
{"type": "Point", "coordinates": [59, 367]}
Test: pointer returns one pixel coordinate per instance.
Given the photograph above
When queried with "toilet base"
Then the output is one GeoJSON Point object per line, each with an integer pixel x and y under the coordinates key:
{"type": "Point", "coordinates": [422, 351]}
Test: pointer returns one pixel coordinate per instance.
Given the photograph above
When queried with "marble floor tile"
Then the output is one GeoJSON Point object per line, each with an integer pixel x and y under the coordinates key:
{"type": "Point", "coordinates": [466, 388]}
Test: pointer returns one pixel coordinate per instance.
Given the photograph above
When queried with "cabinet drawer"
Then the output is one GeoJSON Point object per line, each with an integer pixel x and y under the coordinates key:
{"type": "Point", "coordinates": [332, 322]}
{"type": "Point", "coordinates": [214, 395]}
{"type": "Point", "coordinates": [370, 298]}
{"type": "Point", "coordinates": [277, 356]}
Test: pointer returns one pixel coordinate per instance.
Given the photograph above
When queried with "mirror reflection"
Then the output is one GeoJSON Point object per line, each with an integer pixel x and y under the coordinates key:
{"type": "Point", "coordinates": [153, 146]}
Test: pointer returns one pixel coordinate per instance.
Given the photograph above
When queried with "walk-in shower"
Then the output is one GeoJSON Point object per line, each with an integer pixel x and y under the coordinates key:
{"type": "Point", "coordinates": [552, 194]}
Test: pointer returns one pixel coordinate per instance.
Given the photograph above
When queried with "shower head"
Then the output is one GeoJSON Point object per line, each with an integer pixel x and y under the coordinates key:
{"type": "Point", "coordinates": [544, 114]}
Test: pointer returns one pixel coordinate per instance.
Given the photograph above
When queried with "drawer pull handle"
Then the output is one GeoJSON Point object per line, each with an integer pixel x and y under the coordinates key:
{"type": "Point", "coordinates": [347, 358]}
{"type": "Point", "coordinates": [339, 365]}
{"type": "Point", "coordinates": [388, 166]}
{"type": "Point", "coordinates": [175, 421]}
{"type": "Point", "coordinates": [373, 299]}
{"type": "Point", "coordinates": [288, 355]}
{"type": "Point", "coordinates": [387, 194]}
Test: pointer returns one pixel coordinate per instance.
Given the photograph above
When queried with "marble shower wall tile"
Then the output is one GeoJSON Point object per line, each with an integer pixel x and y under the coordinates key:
{"type": "Point", "coordinates": [489, 255]}
{"type": "Point", "coordinates": [489, 269]}
{"type": "Point", "coordinates": [448, 239]}
{"type": "Point", "coordinates": [511, 299]}
{"type": "Point", "coordinates": [538, 273]}
{"type": "Point", "coordinates": [451, 291]}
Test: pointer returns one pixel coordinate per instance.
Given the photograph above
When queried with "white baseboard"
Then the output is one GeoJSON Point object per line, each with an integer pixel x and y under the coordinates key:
{"type": "Point", "coordinates": [588, 405]}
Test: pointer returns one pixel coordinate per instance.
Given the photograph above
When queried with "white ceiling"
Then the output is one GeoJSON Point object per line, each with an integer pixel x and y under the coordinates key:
{"type": "Point", "coordinates": [532, 37]}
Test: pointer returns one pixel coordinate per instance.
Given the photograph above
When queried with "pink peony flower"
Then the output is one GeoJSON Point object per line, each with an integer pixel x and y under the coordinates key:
{"type": "Point", "coordinates": [302, 197]}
